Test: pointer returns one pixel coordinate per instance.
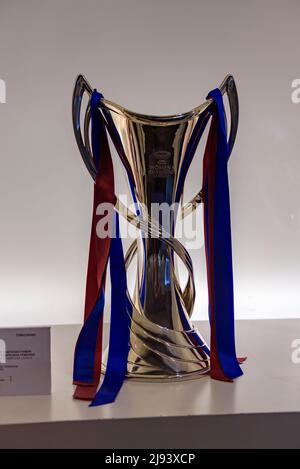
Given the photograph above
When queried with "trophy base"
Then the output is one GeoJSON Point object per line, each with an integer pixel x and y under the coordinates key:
{"type": "Point", "coordinates": [160, 354]}
{"type": "Point", "coordinates": [149, 377]}
{"type": "Point", "coordinates": [140, 370]}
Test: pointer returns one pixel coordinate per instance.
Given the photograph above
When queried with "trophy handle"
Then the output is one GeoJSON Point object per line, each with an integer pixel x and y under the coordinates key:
{"type": "Point", "coordinates": [82, 86]}
{"type": "Point", "coordinates": [228, 87]}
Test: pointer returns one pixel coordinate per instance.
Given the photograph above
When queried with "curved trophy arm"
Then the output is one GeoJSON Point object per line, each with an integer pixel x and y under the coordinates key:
{"type": "Point", "coordinates": [155, 229]}
{"type": "Point", "coordinates": [227, 87]}
{"type": "Point", "coordinates": [188, 208]}
{"type": "Point", "coordinates": [82, 86]}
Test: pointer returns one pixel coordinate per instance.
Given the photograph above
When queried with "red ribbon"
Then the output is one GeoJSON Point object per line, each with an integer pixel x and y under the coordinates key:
{"type": "Point", "coordinates": [104, 192]}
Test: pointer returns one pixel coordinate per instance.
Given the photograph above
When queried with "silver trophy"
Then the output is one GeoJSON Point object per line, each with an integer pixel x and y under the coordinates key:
{"type": "Point", "coordinates": [156, 153]}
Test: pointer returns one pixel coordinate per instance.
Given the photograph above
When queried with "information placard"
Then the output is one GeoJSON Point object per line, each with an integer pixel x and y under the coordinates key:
{"type": "Point", "coordinates": [25, 363]}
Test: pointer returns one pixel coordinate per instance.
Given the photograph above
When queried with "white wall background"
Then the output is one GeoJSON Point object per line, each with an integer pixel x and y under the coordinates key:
{"type": "Point", "coordinates": [158, 56]}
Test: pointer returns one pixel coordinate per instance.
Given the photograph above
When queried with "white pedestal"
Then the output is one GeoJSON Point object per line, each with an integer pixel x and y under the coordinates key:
{"type": "Point", "coordinates": [259, 410]}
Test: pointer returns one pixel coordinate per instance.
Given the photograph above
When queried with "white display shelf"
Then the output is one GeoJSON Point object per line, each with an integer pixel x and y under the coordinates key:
{"type": "Point", "coordinates": [261, 409]}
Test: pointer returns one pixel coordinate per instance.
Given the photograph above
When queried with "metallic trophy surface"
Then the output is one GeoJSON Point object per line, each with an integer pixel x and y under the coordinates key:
{"type": "Point", "coordinates": [156, 153]}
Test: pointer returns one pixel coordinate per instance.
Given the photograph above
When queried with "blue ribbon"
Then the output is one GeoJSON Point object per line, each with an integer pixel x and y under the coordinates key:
{"type": "Point", "coordinates": [86, 344]}
{"type": "Point", "coordinates": [120, 312]}
{"type": "Point", "coordinates": [85, 351]}
{"type": "Point", "coordinates": [97, 126]}
{"type": "Point", "coordinates": [222, 264]}
{"type": "Point", "coordinates": [119, 328]}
